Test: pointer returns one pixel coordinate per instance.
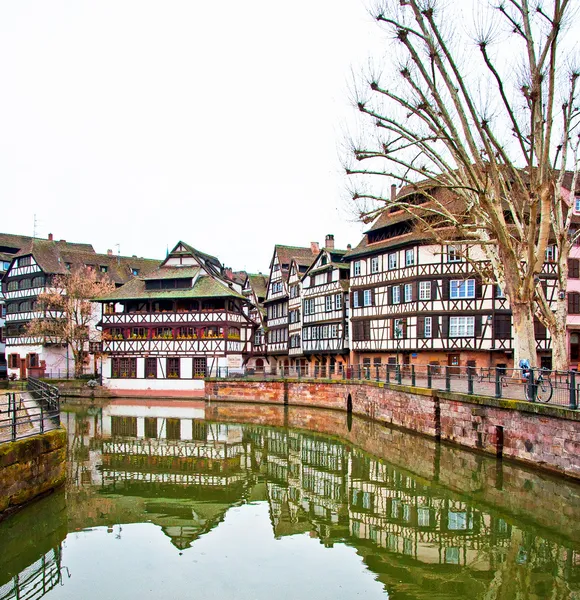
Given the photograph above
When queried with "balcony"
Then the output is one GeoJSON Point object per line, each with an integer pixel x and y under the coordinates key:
{"type": "Point", "coordinates": [167, 318]}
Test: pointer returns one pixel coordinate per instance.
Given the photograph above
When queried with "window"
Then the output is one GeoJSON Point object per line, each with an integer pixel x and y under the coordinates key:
{"type": "Point", "coordinates": [574, 268]}
{"type": "Point", "coordinates": [139, 333]}
{"type": "Point", "coordinates": [199, 367]}
{"type": "Point", "coordinates": [424, 290]}
{"type": "Point", "coordinates": [577, 204]}
{"type": "Point", "coordinates": [408, 292]}
{"type": "Point", "coordinates": [502, 327]}
{"type": "Point", "coordinates": [103, 268]}
{"type": "Point", "coordinates": [25, 261]}
{"type": "Point", "coordinates": [499, 293]}
{"type": "Point", "coordinates": [173, 364]}
{"type": "Point", "coordinates": [135, 272]}
{"type": "Point", "coordinates": [276, 287]}
{"type": "Point", "coordinates": [233, 333]}
{"type": "Point", "coordinates": [338, 301]}
{"type": "Point", "coordinates": [428, 327]}
{"type": "Point", "coordinates": [356, 268]}
{"type": "Point", "coordinates": [461, 327]}
{"type": "Point", "coordinates": [308, 306]}
{"type": "Point", "coordinates": [294, 291]}
{"type": "Point", "coordinates": [150, 427]}
{"type": "Point", "coordinates": [14, 361]}
{"type": "Point", "coordinates": [12, 286]}
{"type": "Point", "coordinates": [25, 284]}
{"type": "Point", "coordinates": [367, 298]}
{"type": "Point", "coordinates": [5, 265]}
{"type": "Point", "coordinates": [574, 303]}
{"type": "Point", "coordinates": [399, 328]}
{"type": "Point", "coordinates": [375, 264]}
{"type": "Point", "coordinates": [295, 341]}
{"type": "Point", "coordinates": [551, 253]}
{"type": "Point", "coordinates": [151, 368]}
{"type": "Point", "coordinates": [462, 288]}
{"type": "Point", "coordinates": [361, 331]}
{"type": "Point", "coordinates": [393, 262]}
{"type": "Point", "coordinates": [453, 254]}
{"type": "Point", "coordinates": [396, 294]}
{"type": "Point", "coordinates": [409, 257]}
{"type": "Point", "coordinates": [124, 368]}
{"type": "Point", "coordinates": [38, 282]}
{"type": "Point", "coordinates": [328, 303]}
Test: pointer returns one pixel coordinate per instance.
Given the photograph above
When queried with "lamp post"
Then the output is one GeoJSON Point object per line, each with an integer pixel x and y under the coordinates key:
{"type": "Point", "coordinates": [398, 336]}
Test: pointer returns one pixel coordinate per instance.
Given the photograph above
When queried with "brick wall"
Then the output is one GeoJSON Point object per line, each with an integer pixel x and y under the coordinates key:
{"type": "Point", "coordinates": [541, 435]}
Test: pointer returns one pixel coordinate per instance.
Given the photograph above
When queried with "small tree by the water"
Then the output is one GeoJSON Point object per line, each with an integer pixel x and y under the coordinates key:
{"type": "Point", "coordinates": [69, 314]}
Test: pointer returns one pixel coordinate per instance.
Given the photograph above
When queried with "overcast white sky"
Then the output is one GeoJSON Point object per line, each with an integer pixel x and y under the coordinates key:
{"type": "Point", "coordinates": [144, 122]}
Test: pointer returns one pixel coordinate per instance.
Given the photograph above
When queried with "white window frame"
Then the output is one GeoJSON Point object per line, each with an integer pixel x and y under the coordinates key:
{"type": "Point", "coordinates": [398, 326]}
{"type": "Point", "coordinates": [461, 327]}
{"type": "Point", "coordinates": [408, 292]}
{"type": "Point", "coordinates": [328, 303]}
{"type": "Point", "coordinates": [461, 289]}
{"type": "Point", "coordinates": [551, 253]}
{"type": "Point", "coordinates": [409, 257]}
{"type": "Point", "coordinates": [428, 327]}
{"type": "Point", "coordinates": [396, 293]}
{"type": "Point", "coordinates": [356, 268]}
{"type": "Point", "coordinates": [374, 264]}
{"type": "Point", "coordinates": [577, 204]}
{"type": "Point", "coordinates": [453, 254]}
{"type": "Point", "coordinates": [367, 298]}
{"type": "Point", "coordinates": [424, 290]}
{"type": "Point", "coordinates": [338, 301]}
{"type": "Point", "coordinates": [393, 261]}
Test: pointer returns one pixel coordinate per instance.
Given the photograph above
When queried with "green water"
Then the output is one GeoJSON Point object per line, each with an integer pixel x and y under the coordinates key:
{"type": "Point", "coordinates": [250, 502]}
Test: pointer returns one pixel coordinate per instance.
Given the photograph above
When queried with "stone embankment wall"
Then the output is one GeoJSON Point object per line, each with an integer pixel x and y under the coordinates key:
{"type": "Point", "coordinates": [31, 467]}
{"type": "Point", "coordinates": [542, 435]}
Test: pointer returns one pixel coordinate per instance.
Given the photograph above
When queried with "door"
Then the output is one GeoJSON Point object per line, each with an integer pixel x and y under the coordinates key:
{"type": "Point", "coordinates": [453, 364]}
{"type": "Point", "coordinates": [22, 368]}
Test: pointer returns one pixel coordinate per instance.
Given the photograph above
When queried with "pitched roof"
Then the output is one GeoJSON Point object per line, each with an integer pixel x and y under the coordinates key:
{"type": "Point", "coordinates": [203, 255]}
{"type": "Point", "coordinates": [17, 242]}
{"type": "Point", "coordinates": [303, 256]}
{"type": "Point", "coordinates": [171, 272]}
{"type": "Point", "coordinates": [259, 284]}
{"type": "Point", "coordinates": [204, 287]}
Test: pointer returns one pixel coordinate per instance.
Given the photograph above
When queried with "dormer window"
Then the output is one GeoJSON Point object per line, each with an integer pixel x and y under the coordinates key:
{"type": "Point", "coordinates": [103, 268]}
{"type": "Point", "coordinates": [324, 260]}
{"type": "Point", "coordinates": [25, 261]}
{"type": "Point", "coordinates": [68, 265]}
{"type": "Point", "coordinates": [135, 272]}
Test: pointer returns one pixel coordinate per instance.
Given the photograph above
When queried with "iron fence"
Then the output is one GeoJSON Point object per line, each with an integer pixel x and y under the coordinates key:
{"type": "Point", "coordinates": [561, 388]}
{"type": "Point", "coordinates": [24, 414]}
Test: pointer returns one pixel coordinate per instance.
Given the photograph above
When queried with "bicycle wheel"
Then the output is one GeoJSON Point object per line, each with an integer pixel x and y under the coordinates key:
{"type": "Point", "coordinates": [527, 391]}
{"type": "Point", "coordinates": [544, 390]}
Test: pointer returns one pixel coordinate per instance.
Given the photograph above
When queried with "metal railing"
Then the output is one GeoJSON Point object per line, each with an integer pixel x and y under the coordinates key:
{"type": "Point", "coordinates": [561, 388]}
{"type": "Point", "coordinates": [24, 414]}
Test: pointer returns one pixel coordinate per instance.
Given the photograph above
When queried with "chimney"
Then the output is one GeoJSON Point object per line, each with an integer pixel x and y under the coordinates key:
{"type": "Point", "coordinates": [50, 237]}
{"type": "Point", "coordinates": [393, 192]}
{"type": "Point", "coordinates": [348, 247]}
{"type": "Point", "coordinates": [228, 273]}
{"type": "Point", "coordinates": [329, 241]}
{"type": "Point", "coordinates": [314, 248]}
{"type": "Point", "coordinates": [109, 252]}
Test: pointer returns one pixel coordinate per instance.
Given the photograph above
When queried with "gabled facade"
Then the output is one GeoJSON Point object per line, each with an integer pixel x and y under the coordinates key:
{"type": "Point", "coordinates": [254, 290]}
{"type": "Point", "coordinates": [277, 297]}
{"type": "Point", "coordinates": [417, 302]}
{"type": "Point", "coordinates": [295, 314]}
{"type": "Point", "coordinates": [325, 309]}
{"type": "Point", "coordinates": [168, 330]}
{"type": "Point", "coordinates": [30, 273]}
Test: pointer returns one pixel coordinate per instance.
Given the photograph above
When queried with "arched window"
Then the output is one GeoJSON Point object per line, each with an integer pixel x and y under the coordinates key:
{"type": "Point", "coordinates": [38, 281]}
{"type": "Point", "coordinates": [24, 284]}
{"type": "Point", "coordinates": [12, 286]}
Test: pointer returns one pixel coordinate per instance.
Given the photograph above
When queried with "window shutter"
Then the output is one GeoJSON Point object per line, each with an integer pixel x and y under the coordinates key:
{"type": "Point", "coordinates": [539, 329]}
{"type": "Point", "coordinates": [414, 291]}
{"type": "Point", "coordinates": [329, 277]}
{"type": "Point", "coordinates": [420, 327]}
{"type": "Point", "coordinates": [478, 289]}
{"type": "Point", "coordinates": [366, 330]}
{"type": "Point", "coordinates": [390, 295]}
{"type": "Point", "coordinates": [444, 289]}
{"type": "Point", "coordinates": [392, 326]}
{"type": "Point", "coordinates": [373, 297]}
{"type": "Point", "coordinates": [404, 328]}
{"type": "Point", "coordinates": [445, 326]}
{"type": "Point", "coordinates": [573, 268]}
{"type": "Point", "coordinates": [477, 326]}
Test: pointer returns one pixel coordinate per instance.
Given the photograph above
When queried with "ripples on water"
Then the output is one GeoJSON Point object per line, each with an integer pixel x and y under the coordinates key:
{"type": "Point", "coordinates": [184, 500]}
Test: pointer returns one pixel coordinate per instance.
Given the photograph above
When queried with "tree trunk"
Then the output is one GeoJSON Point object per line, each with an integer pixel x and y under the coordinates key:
{"type": "Point", "coordinates": [560, 359]}
{"type": "Point", "coordinates": [524, 335]}
{"type": "Point", "coordinates": [78, 357]}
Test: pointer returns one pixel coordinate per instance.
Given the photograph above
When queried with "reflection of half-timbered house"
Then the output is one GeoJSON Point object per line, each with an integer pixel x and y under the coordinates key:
{"type": "Point", "coordinates": [277, 298]}
{"type": "Point", "coordinates": [254, 290]}
{"type": "Point", "coordinates": [31, 273]}
{"type": "Point", "coordinates": [417, 302]}
{"type": "Point", "coordinates": [325, 309]}
{"type": "Point", "coordinates": [166, 331]}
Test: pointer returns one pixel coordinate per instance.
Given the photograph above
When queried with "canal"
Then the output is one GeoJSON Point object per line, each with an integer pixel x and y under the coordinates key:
{"type": "Point", "coordinates": [216, 501]}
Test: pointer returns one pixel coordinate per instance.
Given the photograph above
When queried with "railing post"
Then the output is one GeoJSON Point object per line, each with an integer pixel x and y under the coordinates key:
{"type": "Point", "coordinates": [13, 416]}
{"type": "Point", "coordinates": [497, 383]}
{"type": "Point", "coordinates": [413, 378]}
{"type": "Point", "coordinates": [399, 374]}
{"type": "Point", "coordinates": [531, 387]}
{"type": "Point", "coordinates": [470, 380]}
{"type": "Point", "coordinates": [429, 377]}
{"type": "Point", "coordinates": [447, 379]}
{"type": "Point", "coordinates": [377, 373]}
{"type": "Point", "coordinates": [41, 416]}
{"type": "Point", "coordinates": [388, 373]}
{"type": "Point", "coordinates": [573, 396]}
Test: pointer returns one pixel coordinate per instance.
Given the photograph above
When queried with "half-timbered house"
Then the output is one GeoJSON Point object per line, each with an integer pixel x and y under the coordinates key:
{"type": "Point", "coordinates": [30, 273]}
{"type": "Point", "coordinates": [277, 297]}
{"type": "Point", "coordinates": [254, 290]}
{"type": "Point", "coordinates": [325, 310]}
{"type": "Point", "coordinates": [169, 329]}
{"type": "Point", "coordinates": [418, 302]}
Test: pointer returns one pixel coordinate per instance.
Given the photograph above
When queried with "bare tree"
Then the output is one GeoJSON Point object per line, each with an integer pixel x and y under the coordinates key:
{"type": "Point", "coordinates": [492, 121]}
{"type": "Point", "coordinates": [69, 313]}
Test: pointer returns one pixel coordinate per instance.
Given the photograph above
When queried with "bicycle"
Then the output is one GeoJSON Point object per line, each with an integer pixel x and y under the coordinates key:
{"type": "Point", "coordinates": [543, 388]}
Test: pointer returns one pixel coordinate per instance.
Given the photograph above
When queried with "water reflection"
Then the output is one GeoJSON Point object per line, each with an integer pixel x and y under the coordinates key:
{"type": "Point", "coordinates": [426, 520]}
